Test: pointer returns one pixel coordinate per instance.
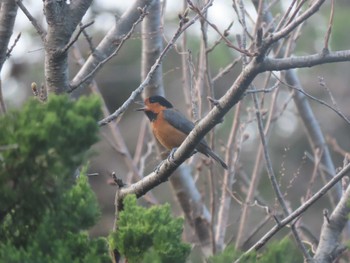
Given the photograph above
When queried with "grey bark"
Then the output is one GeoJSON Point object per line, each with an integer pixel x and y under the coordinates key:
{"type": "Point", "coordinates": [110, 42]}
{"type": "Point", "coordinates": [8, 12]}
{"type": "Point", "coordinates": [62, 19]}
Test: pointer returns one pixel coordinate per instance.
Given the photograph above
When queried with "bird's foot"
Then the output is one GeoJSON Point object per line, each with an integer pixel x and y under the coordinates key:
{"type": "Point", "coordinates": [158, 167]}
{"type": "Point", "coordinates": [171, 154]}
{"type": "Point", "coordinates": [170, 159]}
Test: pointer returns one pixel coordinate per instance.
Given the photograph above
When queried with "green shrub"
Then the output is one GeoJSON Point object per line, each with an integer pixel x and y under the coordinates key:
{"type": "Point", "coordinates": [44, 210]}
{"type": "Point", "coordinates": [149, 235]}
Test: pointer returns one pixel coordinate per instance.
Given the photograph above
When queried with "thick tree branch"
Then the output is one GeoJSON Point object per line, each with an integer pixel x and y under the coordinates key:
{"type": "Point", "coordinates": [62, 19]}
{"type": "Point", "coordinates": [109, 43]}
{"type": "Point", "coordinates": [332, 227]}
{"type": "Point", "coordinates": [182, 182]}
{"type": "Point", "coordinates": [90, 76]}
{"type": "Point", "coordinates": [184, 24]}
{"type": "Point", "coordinates": [271, 64]}
{"type": "Point", "coordinates": [233, 95]}
{"type": "Point", "coordinates": [8, 12]}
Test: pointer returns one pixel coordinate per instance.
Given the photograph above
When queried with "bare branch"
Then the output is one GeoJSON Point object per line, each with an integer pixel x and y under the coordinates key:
{"type": "Point", "coordinates": [36, 25]}
{"type": "Point", "coordinates": [229, 178]}
{"type": "Point", "coordinates": [273, 178]}
{"type": "Point", "coordinates": [227, 41]}
{"type": "Point", "coordinates": [301, 209]}
{"type": "Point", "coordinates": [8, 12]}
{"type": "Point", "coordinates": [333, 108]}
{"type": "Point", "coordinates": [2, 102]}
{"type": "Point", "coordinates": [295, 23]}
{"type": "Point", "coordinates": [329, 29]}
{"type": "Point", "coordinates": [89, 76]}
{"type": "Point", "coordinates": [271, 64]}
{"type": "Point", "coordinates": [117, 140]}
{"type": "Point", "coordinates": [81, 29]}
{"type": "Point", "coordinates": [9, 51]}
{"type": "Point", "coordinates": [183, 26]}
{"type": "Point", "coordinates": [88, 39]}
{"type": "Point", "coordinates": [312, 126]}
{"type": "Point", "coordinates": [327, 249]}
{"type": "Point", "coordinates": [110, 42]}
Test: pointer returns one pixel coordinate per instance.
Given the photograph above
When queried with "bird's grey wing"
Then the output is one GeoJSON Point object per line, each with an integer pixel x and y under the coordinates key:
{"type": "Point", "coordinates": [178, 120]}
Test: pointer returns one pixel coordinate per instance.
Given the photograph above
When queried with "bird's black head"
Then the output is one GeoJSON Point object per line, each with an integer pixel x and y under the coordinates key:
{"type": "Point", "coordinates": [160, 100]}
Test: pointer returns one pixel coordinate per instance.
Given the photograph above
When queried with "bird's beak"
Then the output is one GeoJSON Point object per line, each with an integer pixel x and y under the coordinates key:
{"type": "Point", "coordinates": [141, 104]}
{"type": "Point", "coordinates": [141, 109]}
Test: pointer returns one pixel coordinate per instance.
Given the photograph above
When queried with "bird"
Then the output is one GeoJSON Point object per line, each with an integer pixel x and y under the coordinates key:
{"type": "Point", "coordinates": [171, 127]}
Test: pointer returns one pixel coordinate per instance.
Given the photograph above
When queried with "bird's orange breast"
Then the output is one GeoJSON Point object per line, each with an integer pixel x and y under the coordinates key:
{"type": "Point", "coordinates": [166, 134]}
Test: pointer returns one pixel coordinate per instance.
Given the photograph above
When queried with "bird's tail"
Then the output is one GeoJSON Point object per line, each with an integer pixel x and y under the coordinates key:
{"type": "Point", "coordinates": [216, 158]}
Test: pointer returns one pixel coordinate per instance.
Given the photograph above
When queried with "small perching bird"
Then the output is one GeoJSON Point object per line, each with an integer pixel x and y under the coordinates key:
{"type": "Point", "coordinates": [171, 128]}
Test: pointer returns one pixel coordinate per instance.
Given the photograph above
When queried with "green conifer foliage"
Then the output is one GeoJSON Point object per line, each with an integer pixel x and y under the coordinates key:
{"type": "Point", "coordinates": [276, 252]}
{"type": "Point", "coordinates": [44, 210]}
{"type": "Point", "coordinates": [149, 235]}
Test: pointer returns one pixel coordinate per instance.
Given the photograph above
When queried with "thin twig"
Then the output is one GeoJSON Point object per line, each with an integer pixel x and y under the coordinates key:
{"type": "Point", "coordinates": [338, 112]}
{"type": "Point", "coordinates": [228, 180]}
{"type": "Point", "coordinates": [34, 22]}
{"type": "Point", "coordinates": [183, 26]}
{"type": "Point", "coordinates": [88, 39]}
{"type": "Point", "coordinates": [227, 41]}
{"type": "Point", "coordinates": [255, 178]}
{"type": "Point", "coordinates": [318, 153]}
{"type": "Point", "coordinates": [329, 29]}
{"type": "Point", "coordinates": [193, 98]}
{"type": "Point", "coordinates": [2, 102]}
{"type": "Point", "coordinates": [296, 22]}
{"type": "Point", "coordinates": [273, 179]}
{"type": "Point", "coordinates": [301, 209]}
{"type": "Point", "coordinates": [226, 70]}
{"type": "Point", "coordinates": [81, 29]}
{"type": "Point", "coordinates": [118, 44]}
{"type": "Point", "coordinates": [218, 41]}
{"type": "Point", "coordinates": [9, 51]}
{"type": "Point", "coordinates": [187, 73]}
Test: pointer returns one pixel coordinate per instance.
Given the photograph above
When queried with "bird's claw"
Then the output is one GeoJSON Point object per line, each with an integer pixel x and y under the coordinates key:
{"type": "Point", "coordinates": [158, 167]}
{"type": "Point", "coordinates": [171, 154]}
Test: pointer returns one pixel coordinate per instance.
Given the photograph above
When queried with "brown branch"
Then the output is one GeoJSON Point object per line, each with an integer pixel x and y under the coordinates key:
{"type": "Point", "coordinates": [255, 178]}
{"type": "Point", "coordinates": [228, 180]}
{"type": "Point", "coordinates": [294, 14]}
{"type": "Point", "coordinates": [329, 29]}
{"type": "Point", "coordinates": [295, 23]}
{"type": "Point", "coordinates": [227, 41]}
